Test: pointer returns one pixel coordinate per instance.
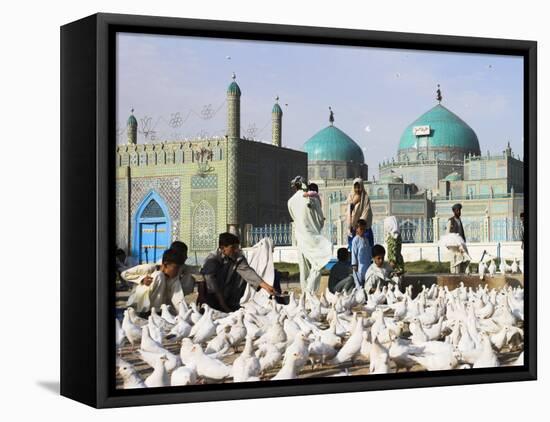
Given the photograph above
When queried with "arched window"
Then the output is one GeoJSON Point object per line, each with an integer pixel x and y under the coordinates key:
{"type": "Point", "coordinates": [380, 192]}
{"type": "Point", "coordinates": [397, 193]}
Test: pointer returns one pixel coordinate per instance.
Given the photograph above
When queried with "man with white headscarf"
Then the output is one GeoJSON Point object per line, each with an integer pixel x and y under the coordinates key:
{"type": "Point", "coordinates": [314, 250]}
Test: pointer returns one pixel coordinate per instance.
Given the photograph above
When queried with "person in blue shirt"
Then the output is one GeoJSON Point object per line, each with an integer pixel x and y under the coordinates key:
{"type": "Point", "coordinates": [361, 253]}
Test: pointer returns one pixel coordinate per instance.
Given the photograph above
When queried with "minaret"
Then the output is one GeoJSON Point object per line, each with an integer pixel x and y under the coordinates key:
{"type": "Point", "coordinates": [233, 138]}
{"type": "Point", "coordinates": [131, 129]}
{"type": "Point", "coordinates": [233, 110]}
{"type": "Point", "coordinates": [276, 123]}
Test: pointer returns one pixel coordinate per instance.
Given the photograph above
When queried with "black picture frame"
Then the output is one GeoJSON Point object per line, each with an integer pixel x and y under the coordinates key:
{"type": "Point", "coordinates": [87, 207]}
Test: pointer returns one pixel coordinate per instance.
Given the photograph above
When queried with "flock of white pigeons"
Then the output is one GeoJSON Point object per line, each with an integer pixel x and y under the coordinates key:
{"type": "Point", "coordinates": [382, 331]}
{"type": "Point", "coordinates": [489, 267]}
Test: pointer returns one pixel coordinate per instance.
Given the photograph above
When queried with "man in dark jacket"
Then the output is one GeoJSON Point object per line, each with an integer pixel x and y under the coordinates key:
{"type": "Point", "coordinates": [460, 259]}
{"type": "Point", "coordinates": [225, 275]}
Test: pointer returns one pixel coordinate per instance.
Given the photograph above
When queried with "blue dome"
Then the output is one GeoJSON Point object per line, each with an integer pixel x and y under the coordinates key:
{"type": "Point", "coordinates": [331, 144]}
{"type": "Point", "coordinates": [447, 130]}
{"type": "Point", "coordinates": [234, 89]}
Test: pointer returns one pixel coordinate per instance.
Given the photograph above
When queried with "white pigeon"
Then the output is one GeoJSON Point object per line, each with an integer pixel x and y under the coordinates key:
{"type": "Point", "coordinates": [487, 358]}
{"type": "Point", "coordinates": [515, 266]}
{"type": "Point", "coordinates": [155, 332]}
{"type": "Point", "coordinates": [172, 361]}
{"type": "Point", "coordinates": [379, 358]}
{"type": "Point", "coordinates": [352, 346]}
{"type": "Point", "coordinates": [130, 377]}
{"type": "Point", "coordinates": [299, 347]}
{"type": "Point", "coordinates": [400, 351]}
{"type": "Point", "coordinates": [131, 330]}
{"type": "Point", "coordinates": [269, 356]}
{"type": "Point", "coordinates": [222, 342]}
{"type": "Point", "coordinates": [321, 351]}
{"type": "Point", "coordinates": [207, 367]}
{"type": "Point", "coordinates": [436, 356]}
{"type": "Point", "coordinates": [482, 268]}
{"type": "Point", "coordinates": [159, 376]}
{"type": "Point", "coordinates": [184, 375]}
{"type": "Point", "coordinates": [434, 332]}
{"type": "Point", "coordinates": [147, 342]}
{"type": "Point", "coordinates": [206, 331]}
{"type": "Point", "coordinates": [140, 322]}
{"type": "Point", "coordinates": [418, 334]}
{"type": "Point", "coordinates": [502, 266]}
{"type": "Point", "coordinates": [159, 322]}
{"type": "Point", "coordinates": [181, 329]}
{"type": "Point", "coordinates": [492, 268]}
{"type": "Point", "coordinates": [290, 368]}
{"type": "Point", "coordinates": [166, 315]}
{"type": "Point", "coordinates": [120, 336]}
{"type": "Point", "coordinates": [366, 345]}
{"type": "Point", "coordinates": [238, 331]}
{"type": "Point", "coordinates": [247, 366]}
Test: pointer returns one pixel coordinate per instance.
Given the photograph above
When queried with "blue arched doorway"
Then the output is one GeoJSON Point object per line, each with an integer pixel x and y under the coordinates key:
{"type": "Point", "coordinates": [152, 229]}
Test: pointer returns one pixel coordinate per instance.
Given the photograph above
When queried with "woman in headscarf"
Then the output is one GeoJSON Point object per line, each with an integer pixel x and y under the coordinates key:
{"type": "Point", "coordinates": [393, 245]}
{"type": "Point", "coordinates": [359, 209]}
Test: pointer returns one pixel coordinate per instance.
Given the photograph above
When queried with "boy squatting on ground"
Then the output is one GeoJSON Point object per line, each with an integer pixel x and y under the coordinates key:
{"type": "Point", "coordinates": [379, 271]}
{"type": "Point", "coordinates": [361, 253]}
{"type": "Point", "coordinates": [225, 275]}
{"type": "Point", "coordinates": [155, 286]}
{"type": "Point", "coordinates": [341, 277]}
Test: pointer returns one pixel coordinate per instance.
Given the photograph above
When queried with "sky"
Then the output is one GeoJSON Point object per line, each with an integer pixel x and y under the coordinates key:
{"type": "Point", "coordinates": [177, 88]}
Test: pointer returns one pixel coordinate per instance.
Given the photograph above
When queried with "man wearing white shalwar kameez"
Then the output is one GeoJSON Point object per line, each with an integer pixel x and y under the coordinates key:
{"type": "Point", "coordinates": [314, 250]}
{"type": "Point", "coordinates": [459, 257]}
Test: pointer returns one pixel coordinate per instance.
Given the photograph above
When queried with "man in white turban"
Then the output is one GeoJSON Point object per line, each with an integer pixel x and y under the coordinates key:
{"type": "Point", "coordinates": [314, 250]}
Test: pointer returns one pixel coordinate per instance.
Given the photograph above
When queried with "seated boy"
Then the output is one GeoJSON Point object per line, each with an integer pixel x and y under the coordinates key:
{"type": "Point", "coordinates": [361, 253]}
{"type": "Point", "coordinates": [226, 273]}
{"type": "Point", "coordinates": [379, 271]}
{"type": "Point", "coordinates": [160, 287]}
{"type": "Point", "coordinates": [340, 277]}
{"type": "Point", "coordinates": [143, 272]}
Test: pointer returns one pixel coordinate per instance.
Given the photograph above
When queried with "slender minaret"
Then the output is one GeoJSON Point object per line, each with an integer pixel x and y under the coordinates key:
{"type": "Point", "coordinates": [131, 129]}
{"type": "Point", "coordinates": [276, 123]}
{"type": "Point", "coordinates": [233, 110]}
{"type": "Point", "coordinates": [233, 139]}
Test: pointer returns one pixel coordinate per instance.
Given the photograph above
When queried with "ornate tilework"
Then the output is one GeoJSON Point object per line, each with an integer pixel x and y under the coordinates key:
{"type": "Point", "coordinates": [203, 227]}
{"type": "Point", "coordinates": [204, 182]}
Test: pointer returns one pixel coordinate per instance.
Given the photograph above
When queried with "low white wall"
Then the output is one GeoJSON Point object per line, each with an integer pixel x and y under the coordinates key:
{"type": "Point", "coordinates": [418, 251]}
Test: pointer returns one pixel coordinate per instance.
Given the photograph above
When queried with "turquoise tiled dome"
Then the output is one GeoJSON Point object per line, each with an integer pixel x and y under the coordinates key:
{"type": "Point", "coordinates": [447, 130]}
{"type": "Point", "coordinates": [277, 109]}
{"type": "Point", "coordinates": [234, 89]}
{"type": "Point", "coordinates": [132, 121]}
{"type": "Point", "coordinates": [331, 144]}
{"type": "Point", "coordinates": [453, 177]}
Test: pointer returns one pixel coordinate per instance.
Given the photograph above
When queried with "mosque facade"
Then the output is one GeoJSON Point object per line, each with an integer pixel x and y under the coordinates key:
{"type": "Point", "coordinates": [194, 190]}
{"type": "Point", "coordinates": [437, 164]}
